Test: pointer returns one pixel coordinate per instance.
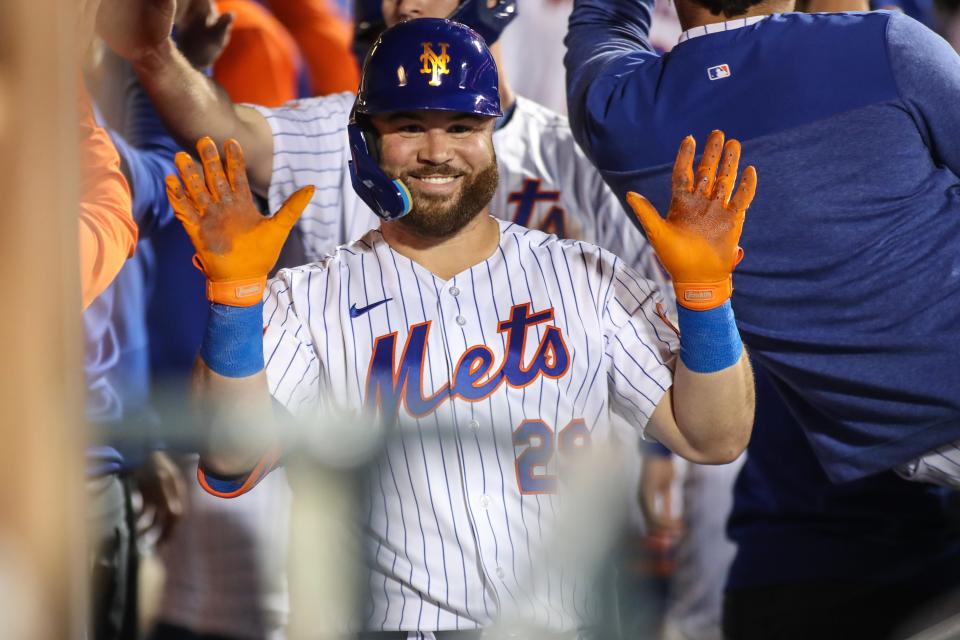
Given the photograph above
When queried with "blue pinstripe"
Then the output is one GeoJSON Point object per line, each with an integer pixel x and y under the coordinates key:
{"type": "Point", "coordinates": [446, 476]}
{"type": "Point", "coordinates": [423, 537]}
{"type": "Point", "coordinates": [526, 416]}
{"type": "Point", "coordinates": [446, 577]}
{"type": "Point", "coordinates": [496, 450]}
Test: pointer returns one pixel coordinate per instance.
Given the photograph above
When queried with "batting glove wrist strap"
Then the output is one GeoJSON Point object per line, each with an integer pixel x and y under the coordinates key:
{"type": "Point", "coordinates": [703, 296]}
{"type": "Point", "coordinates": [709, 340]}
{"type": "Point", "coordinates": [233, 342]}
{"type": "Point", "coordinates": [237, 293]}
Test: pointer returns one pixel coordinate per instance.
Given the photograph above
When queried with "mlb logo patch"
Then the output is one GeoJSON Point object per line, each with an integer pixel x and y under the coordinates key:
{"type": "Point", "coordinates": [719, 71]}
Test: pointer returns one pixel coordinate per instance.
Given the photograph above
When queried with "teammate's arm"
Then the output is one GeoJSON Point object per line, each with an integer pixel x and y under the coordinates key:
{"type": "Point", "coordinates": [190, 104]}
{"type": "Point", "coordinates": [146, 158]}
{"type": "Point", "coordinates": [602, 33]}
{"type": "Point", "coordinates": [236, 248]}
{"type": "Point", "coordinates": [324, 36]}
{"type": "Point", "coordinates": [107, 231]}
{"type": "Point", "coordinates": [926, 70]}
{"type": "Point", "coordinates": [707, 414]}
{"type": "Point", "coordinates": [656, 491]}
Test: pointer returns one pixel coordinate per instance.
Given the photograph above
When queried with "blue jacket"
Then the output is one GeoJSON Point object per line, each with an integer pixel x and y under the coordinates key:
{"type": "Point", "coordinates": [792, 525]}
{"type": "Point", "coordinates": [115, 328]}
{"type": "Point", "coordinates": [849, 292]}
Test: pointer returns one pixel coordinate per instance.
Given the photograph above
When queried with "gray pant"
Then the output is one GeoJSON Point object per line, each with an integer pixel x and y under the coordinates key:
{"type": "Point", "coordinates": [112, 559]}
{"type": "Point", "coordinates": [704, 553]}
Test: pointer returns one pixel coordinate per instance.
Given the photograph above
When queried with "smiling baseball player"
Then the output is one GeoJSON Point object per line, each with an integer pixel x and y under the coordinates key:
{"type": "Point", "coordinates": [494, 350]}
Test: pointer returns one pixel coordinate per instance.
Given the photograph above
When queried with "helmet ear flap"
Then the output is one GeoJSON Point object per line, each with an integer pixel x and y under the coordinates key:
{"type": "Point", "coordinates": [390, 199]}
{"type": "Point", "coordinates": [369, 134]}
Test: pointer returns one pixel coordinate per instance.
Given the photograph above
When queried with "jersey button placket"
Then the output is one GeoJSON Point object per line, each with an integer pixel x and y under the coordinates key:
{"type": "Point", "coordinates": [483, 502]}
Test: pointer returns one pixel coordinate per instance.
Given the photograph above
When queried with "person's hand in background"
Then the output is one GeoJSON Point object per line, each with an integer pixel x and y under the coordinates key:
{"type": "Point", "coordinates": [163, 491]}
{"type": "Point", "coordinates": [202, 31]}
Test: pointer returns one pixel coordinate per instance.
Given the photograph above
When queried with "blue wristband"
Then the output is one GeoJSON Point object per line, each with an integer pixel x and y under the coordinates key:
{"type": "Point", "coordinates": [233, 342]}
{"type": "Point", "coordinates": [709, 340]}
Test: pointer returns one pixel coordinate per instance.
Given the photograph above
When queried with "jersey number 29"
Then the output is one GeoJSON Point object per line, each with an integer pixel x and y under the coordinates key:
{"type": "Point", "coordinates": [541, 443]}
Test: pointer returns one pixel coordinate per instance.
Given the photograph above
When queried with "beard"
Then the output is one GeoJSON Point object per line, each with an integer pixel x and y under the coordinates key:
{"type": "Point", "coordinates": [440, 217]}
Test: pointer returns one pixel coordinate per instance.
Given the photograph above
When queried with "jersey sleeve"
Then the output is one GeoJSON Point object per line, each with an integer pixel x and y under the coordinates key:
{"type": "Point", "coordinates": [310, 148]}
{"type": "Point", "coordinates": [607, 41]}
{"type": "Point", "coordinates": [293, 377]}
{"type": "Point", "coordinates": [108, 233]}
{"type": "Point", "coordinates": [617, 233]}
{"type": "Point", "coordinates": [290, 358]}
{"type": "Point", "coordinates": [146, 152]}
{"type": "Point", "coordinates": [641, 345]}
{"type": "Point", "coordinates": [926, 70]}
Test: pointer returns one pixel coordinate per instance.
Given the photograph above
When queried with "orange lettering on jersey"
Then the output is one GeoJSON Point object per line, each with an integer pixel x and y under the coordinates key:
{"type": "Point", "coordinates": [663, 316]}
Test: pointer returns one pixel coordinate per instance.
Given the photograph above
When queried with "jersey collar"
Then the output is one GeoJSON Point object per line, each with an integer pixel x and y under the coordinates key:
{"type": "Point", "coordinates": [716, 27]}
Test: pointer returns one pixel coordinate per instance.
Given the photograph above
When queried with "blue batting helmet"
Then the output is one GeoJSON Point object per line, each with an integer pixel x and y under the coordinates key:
{"type": "Point", "coordinates": [428, 63]}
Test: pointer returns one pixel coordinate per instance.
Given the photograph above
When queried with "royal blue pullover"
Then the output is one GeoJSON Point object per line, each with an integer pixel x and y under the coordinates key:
{"type": "Point", "coordinates": [849, 292]}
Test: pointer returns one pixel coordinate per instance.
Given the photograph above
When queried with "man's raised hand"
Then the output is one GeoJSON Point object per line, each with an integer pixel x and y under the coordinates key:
{"type": "Point", "coordinates": [134, 28]}
{"type": "Point", "coordinates": [236, 246]}
{"type": "Point", "coordinates": [698, 241]}
{"type": "Point", "coordinates": [203, 32]}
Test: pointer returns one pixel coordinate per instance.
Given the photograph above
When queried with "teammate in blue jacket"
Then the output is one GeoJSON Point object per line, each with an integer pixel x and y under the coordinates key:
{"type": "Point", "coordinates": [849, 293]}
{"type": "Point", "coordinates": [825, 560]}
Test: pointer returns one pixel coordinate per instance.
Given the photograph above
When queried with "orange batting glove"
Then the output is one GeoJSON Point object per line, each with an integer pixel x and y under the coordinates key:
{"type": "Point", "coordinates": [698, 241]}
{"type": "Point", "coordinates": [236, 246]}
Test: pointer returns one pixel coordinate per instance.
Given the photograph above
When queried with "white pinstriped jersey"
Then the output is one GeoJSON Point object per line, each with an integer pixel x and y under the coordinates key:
{"type": "Point", "coordinates": [546, 182]}
{"type": "Point", "coordinates": [494, 376]}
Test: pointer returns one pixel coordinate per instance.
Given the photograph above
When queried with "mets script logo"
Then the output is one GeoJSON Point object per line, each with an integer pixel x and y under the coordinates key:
{"type": "Point", "coordinates": [391, 384]}
{"type": "Point", "coordinates": [528, 197]}
{"type": "Point", "coordinates": [434, 65]}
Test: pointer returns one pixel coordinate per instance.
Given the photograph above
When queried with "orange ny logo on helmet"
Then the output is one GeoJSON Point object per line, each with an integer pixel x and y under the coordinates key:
{"type": "Point", "coordinates": [434, 65]}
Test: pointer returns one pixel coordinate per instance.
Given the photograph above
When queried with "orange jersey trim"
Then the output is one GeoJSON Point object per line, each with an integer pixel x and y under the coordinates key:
{"type": "Point", "coordinates": [265, 465]}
